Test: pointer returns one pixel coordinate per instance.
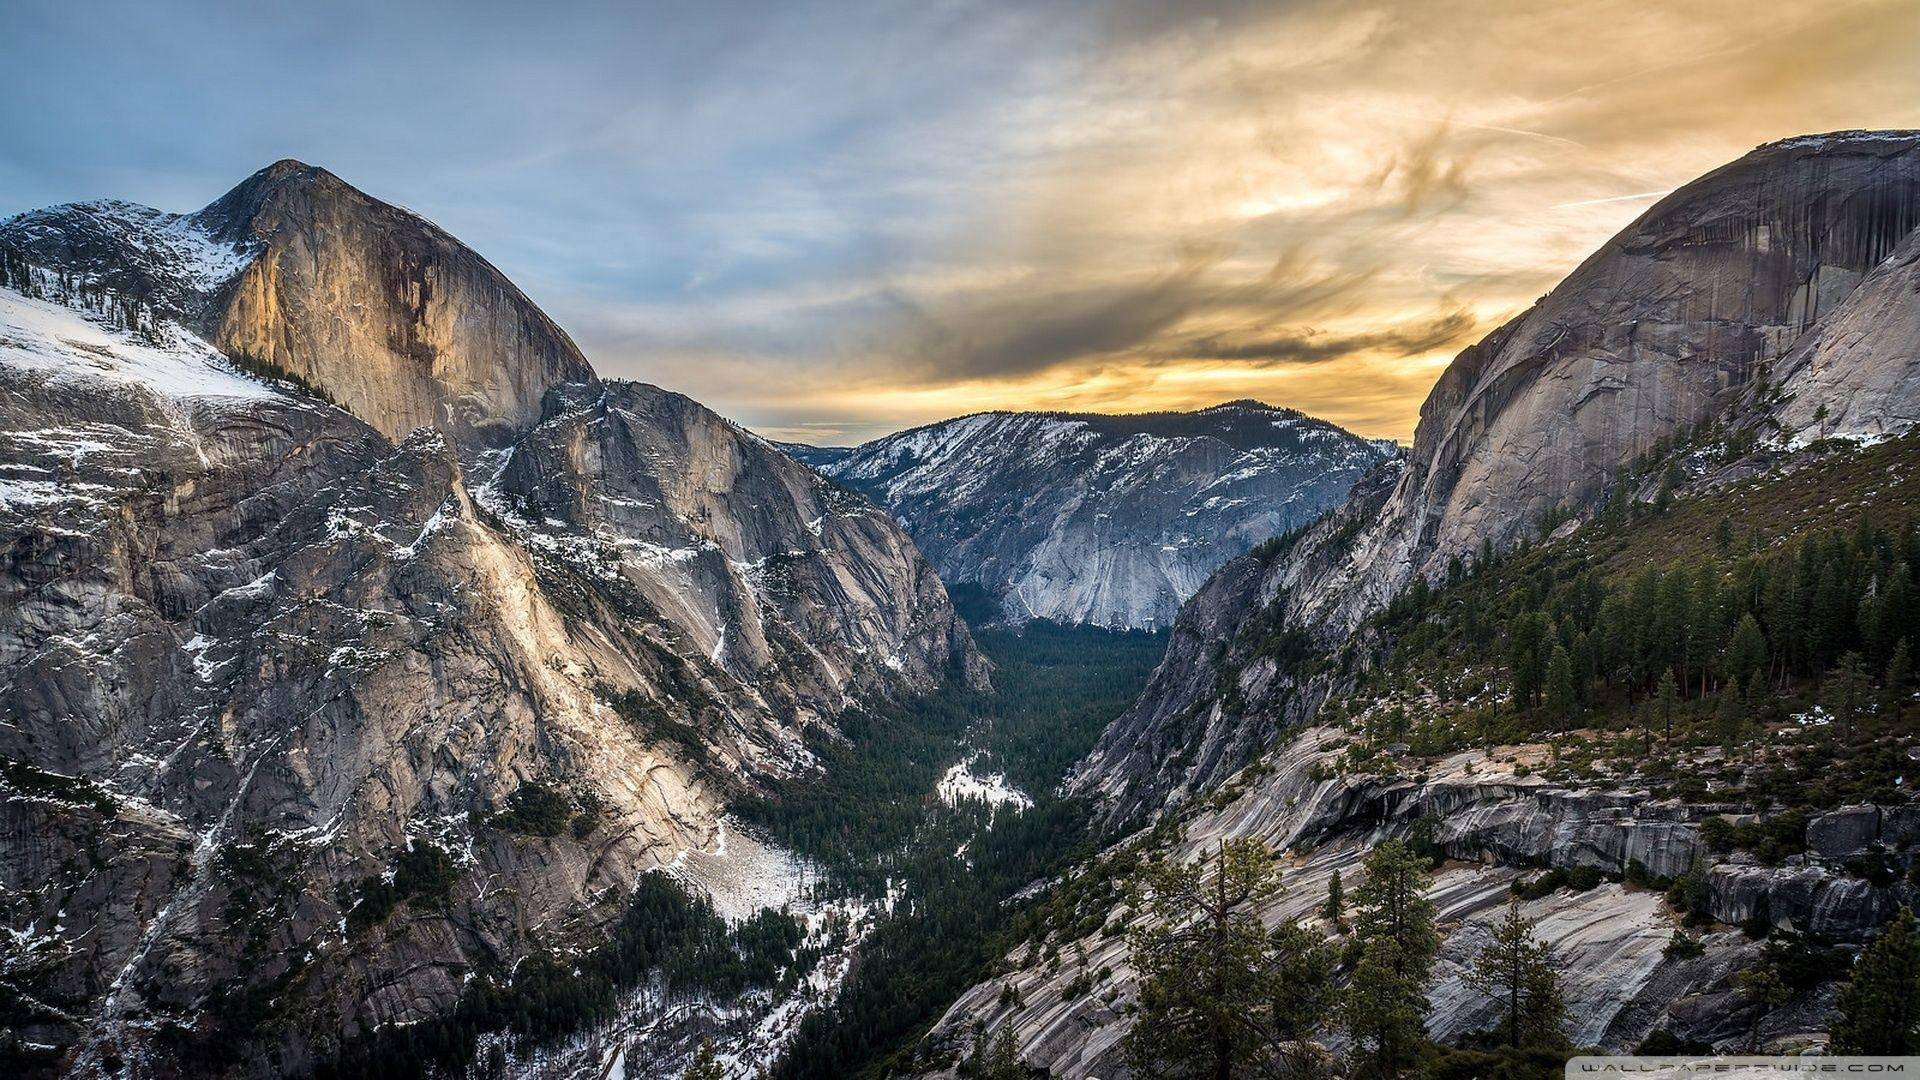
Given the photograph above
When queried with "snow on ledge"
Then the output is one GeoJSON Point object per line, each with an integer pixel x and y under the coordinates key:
{"type": "Point", "coordinates": [39, 336]}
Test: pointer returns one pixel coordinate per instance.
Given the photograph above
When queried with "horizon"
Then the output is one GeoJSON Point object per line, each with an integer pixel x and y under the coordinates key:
{"type": "Point", "coordinates": [838, 222]}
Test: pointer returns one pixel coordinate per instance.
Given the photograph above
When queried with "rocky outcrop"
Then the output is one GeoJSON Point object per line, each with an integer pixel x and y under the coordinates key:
{"type": "Point", "coordinates": [1495, 824]}
{"type": "Point", "coordinates": [1712, 284]}
{"type": "Point", "coordinates": [1109, 520]}
{"type": "Point", "coordinates": [769, 573]}
{"type": "Point", "coordinates": [1857, 374]}
{"type": "Point", "coordinates": [255, 648]}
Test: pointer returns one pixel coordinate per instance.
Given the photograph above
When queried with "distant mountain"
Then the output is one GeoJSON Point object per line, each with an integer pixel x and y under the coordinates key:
{"type": "Point", "coordinates": [358, 644]}
{"type": "Point", "coordinates": [809, 454]}
{"type": "Point", "coordinates": [1112, 520]}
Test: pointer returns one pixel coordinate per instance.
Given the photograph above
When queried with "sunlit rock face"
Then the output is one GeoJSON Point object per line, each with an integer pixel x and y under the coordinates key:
{"type": "Point", "coordinates": [254, 646]}
{"type": "Point", "coordinates": [1661, 328]}
{"type": "Point", "coordinates": [1108, 520]}
{"type": "Point", "coordinates": [395, 319]}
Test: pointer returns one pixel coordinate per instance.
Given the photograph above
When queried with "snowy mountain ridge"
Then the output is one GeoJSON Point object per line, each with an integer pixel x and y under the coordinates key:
{"type": "Point", "coordinates": [1112, 520]}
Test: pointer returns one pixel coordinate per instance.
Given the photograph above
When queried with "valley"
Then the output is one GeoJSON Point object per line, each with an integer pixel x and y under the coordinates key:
{"type": "Point", "coordinates": [387, 692]}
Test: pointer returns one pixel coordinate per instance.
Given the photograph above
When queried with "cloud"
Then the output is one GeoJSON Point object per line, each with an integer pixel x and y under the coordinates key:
{"type": "Point", "coordinates": [1034, 326]}
{"type": "Point", "coordinates": [848, 216]}
{"type": "Point", "coordinates": [1449, 330]}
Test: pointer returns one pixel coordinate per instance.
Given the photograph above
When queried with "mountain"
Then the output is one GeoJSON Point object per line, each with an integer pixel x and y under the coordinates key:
{"type": "Point", "coordinates": [1623, 635]}
{"type": "Point", "coordinates": [1713, 285]}
{"type": "Point", "coordinates": [1759, 288]}
{"type": "Point", "coordinates": [1108, 520]}
{"type": "Point", "coordinates": [360, 648]}
{"type": "Point", "coordinates": [816, 456]}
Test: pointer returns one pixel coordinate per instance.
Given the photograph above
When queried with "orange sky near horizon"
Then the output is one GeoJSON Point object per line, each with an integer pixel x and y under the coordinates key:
{"type": "Point", "coordinates": [1318, 205]}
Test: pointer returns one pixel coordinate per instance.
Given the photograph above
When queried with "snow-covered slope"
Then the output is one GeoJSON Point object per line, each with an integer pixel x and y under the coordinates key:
{"type": "Point", "coordinates": [69, 347]}
{"type": "Point", "coordinates": [1109, 520]}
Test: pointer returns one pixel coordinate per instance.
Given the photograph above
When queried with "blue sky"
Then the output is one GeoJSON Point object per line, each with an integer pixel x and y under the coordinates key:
{"type": "Point", "coordinates": [834, 219]}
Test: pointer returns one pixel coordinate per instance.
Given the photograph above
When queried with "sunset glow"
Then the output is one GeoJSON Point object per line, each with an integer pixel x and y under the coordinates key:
{"type": "Point", "coordinates": [831, 223]}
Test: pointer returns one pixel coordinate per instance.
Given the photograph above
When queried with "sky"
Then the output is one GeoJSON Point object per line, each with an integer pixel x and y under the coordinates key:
{"type": "Point", "coordinates": [834, 220]}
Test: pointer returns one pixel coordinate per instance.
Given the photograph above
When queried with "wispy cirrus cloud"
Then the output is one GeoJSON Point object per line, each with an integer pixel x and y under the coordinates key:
{"type": "Point", "coordinates": [833, 218]}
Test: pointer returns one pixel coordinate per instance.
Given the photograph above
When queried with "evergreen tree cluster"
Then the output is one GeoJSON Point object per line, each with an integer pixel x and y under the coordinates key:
{"type": "Point", "coordinates": [1723, 635]}
{"type": "Point", "coordinates": [872, 818]}
{"type": "Point", "coordinates": [1221, 996]}
{"type": "Point", "coordinates": [1745, 624]}
{"type": "Point", "coordinates": [1880, 1005]}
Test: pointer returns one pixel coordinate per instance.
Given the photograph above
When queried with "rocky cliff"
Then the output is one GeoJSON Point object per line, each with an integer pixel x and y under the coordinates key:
{"type": "Point", "coordinates": [1109, 520]}
{"type": "Point", "coordinates": [296, 272]}
{"type": "Point", "coordinates": [317, 712]}
{"type": "Point", "coordinates": [1792, 266]}
{"type": "Point", "coordinates": [1660, 329]}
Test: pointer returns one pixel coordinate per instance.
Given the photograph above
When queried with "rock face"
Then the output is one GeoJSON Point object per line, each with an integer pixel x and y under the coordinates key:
{"type": "Point", "coordinates": [1495, 826]}
{"type": "Point", "coordinates": [296, 271]}
{"type": "Point", "coordinates": [1798, 260]}
{"type": "Point", "coordinates": [1857, 374]}
{"type": "Point", "coordinates": [255, 647]}
{"type": "Point", "coordinates": [1109, 520]}
{"type": "Point", "coordinates": [1659, 329]}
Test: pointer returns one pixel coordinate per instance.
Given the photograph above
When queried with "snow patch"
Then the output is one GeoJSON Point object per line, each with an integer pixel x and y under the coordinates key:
{"type": "Point", "coordinates": [961, 784]}
{"type": "Point", "coordinates": [38, 336]}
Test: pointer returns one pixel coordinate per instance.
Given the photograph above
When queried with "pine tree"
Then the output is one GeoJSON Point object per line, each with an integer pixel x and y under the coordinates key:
{"type": "Point", "coordinates": [1647, 625]}
{"type": "Point", "coordinates": [1303, 995]}
{"type": "Point", "coordinates": [1675, 625]}
{"type": "Point", "coordinates": [1729, 717]}
{"type": "Point", "coordinates": [1561, 700]}
{"type": "Point", "coordinates": [1748, 652]}
{"type": "Point", "coordinates": [1880, 1005]}
{"type": "Point", "coordinates": [1385, 1015]}
{"type": "Point", "coordinates": [1845, 693]}
{"type": "Point", "coordinates": [1583, 665]}
{"type": "Point", "coordinates": [706, 1066]}
{"type": "Point", "coordinates": [1899, 673]}
{"type": "Point", "coordinates": [1666, 702]}
{"type": "Point", "coordinates": [1334, 910]}
{"type": "Point", "coordinates": [1391, 903]}
{"type": "Point", "coordinates": [1707, 632]}
{"type": "Point", "coordinates": [998, 1059]}
{"type": "Point", "coordinates": [1387, 1000]}
{"type": "Point", "coordinates": [1521, 974]}
{"type": "Point", "coordinates": [1833, 613]}
{"type": "Point", "coordinates": [1204, 963]}
{"type": "Point", "coordinates": [1525, 659]}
